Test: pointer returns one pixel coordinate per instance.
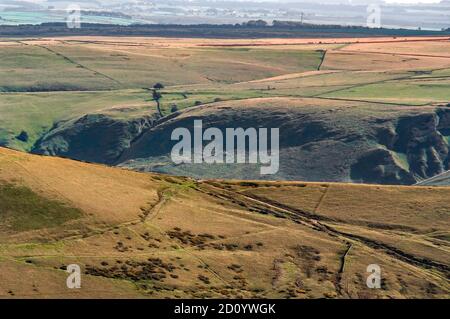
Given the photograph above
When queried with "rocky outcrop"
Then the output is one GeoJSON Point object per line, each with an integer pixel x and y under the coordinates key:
{"type": "Point", "coordinates": [378, 166]}
{"type": "Point", "coordinates": [421, 139]}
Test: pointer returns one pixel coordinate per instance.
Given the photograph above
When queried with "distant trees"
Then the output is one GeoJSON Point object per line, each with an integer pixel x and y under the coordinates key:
{"type": "Point", "coordinates": [157, 96]}
{"type": "Point", "coordinates": [158, 86]}
{"type": "Point", "coordinates": [255, 23]}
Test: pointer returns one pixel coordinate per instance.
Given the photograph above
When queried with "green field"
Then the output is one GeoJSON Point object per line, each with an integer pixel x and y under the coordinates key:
{"type": "Point", "coordinates": [36, 113]}
{"type": "Point", "coordinates": [405, 91]}
{"type": "Point", "coordinates": [61, 66]}
{"type": "Point", "coordinates": [34, 68]}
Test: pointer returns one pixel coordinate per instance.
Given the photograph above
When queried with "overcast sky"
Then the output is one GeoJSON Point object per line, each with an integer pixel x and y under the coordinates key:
{"type": "Point", "coordinates": [394, 14]}
{"type": "Point", "coordinates": [318, 1]}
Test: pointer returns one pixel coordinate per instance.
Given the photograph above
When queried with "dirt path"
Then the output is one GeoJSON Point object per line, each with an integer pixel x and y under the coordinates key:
{"type": "Point", "coordinates": [317, 222]}
{"type": "Point", "coordinates": [290, 76]}
{"type": "Point", "coordinates": [395, 54]}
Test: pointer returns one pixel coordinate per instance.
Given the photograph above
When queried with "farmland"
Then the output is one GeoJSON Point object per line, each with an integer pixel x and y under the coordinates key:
{"type": "Point", "coordinates": [105, 81]}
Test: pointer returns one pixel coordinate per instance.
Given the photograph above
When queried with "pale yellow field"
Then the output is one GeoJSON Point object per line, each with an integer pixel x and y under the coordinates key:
{"type": "Point", "coordinates": [188, 42]}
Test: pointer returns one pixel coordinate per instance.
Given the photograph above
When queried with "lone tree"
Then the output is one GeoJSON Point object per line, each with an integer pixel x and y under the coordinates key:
{"type": "Point", "coordinates": [157, 96]}
{"type": "Point", "coordinates": [158, 86]}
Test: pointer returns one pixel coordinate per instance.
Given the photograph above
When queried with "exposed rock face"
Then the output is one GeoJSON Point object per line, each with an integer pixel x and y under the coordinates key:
{"type": "Point", "coordinates": [426, 148]}
{"type": "Point", "coordinates": [378, 166]}
{"type": "Point", "coordinates": [422, 139]}
{"type": "Point", "coordinates": [93, 138]}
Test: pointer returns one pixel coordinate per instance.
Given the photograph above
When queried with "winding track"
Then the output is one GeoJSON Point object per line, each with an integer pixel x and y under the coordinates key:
{"type": "Point", "coordinates": [317, 222]}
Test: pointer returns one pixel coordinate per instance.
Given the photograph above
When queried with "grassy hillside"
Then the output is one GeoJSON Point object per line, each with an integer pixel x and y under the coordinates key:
{"type": "Point", "coordinates": [154, 236]}
{"type": "Point", "coordinates": [37, 113]}
{"type": "Point", "coordinates": [21, 209]}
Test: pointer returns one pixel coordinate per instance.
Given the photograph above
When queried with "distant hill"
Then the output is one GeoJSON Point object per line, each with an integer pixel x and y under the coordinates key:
{"type": "Point", "coordinates": [209, 31]}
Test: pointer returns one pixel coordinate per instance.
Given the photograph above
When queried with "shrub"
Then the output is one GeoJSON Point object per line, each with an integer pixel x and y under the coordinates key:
{"type": "Point", "coordinates": [204, 279]}
{"type": "Point", "coordinates": [23, 136]}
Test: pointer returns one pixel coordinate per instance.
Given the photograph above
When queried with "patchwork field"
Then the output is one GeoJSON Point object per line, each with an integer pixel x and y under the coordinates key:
{"type": "Point", "coordinates": [115, 71]}
{"type": "Point", "coordinates": [154, 236]}
{"type": "Point", "coordinates": [60, 92]}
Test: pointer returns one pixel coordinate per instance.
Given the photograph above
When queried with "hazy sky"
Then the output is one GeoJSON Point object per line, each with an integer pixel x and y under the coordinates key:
{"type": "Point", "coordinates": [393, 14]}
{"type": "Point", "coordinates": [342, 1]}
{"type": "Point", "coordinates": [412, 1]}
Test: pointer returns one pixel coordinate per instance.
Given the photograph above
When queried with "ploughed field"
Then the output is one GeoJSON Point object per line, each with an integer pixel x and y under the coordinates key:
{"type": "Point", "coordinates": [149, 235]}
{"type": "Point", "coordinates": [371, 110]}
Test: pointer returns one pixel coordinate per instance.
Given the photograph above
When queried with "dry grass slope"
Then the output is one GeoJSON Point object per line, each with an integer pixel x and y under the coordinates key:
{"type": "Point", "coordinates": [155, 236]}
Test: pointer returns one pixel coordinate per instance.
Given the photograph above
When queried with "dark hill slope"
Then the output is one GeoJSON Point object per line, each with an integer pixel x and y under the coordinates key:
{"type": "Point", "coordinates": [98, 138]}
{"type": "Point", "coordinates": [320, 140]}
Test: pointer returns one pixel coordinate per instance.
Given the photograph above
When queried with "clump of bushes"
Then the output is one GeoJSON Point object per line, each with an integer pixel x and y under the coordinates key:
{"type": "Point", "coordinates": [204, 279]}
{"type": "Point", "coordinates": [23, 136]}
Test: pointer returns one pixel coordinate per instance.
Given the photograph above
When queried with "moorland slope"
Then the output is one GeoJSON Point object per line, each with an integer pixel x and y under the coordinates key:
{"type": "Point", "coordinates": [155, 236]}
